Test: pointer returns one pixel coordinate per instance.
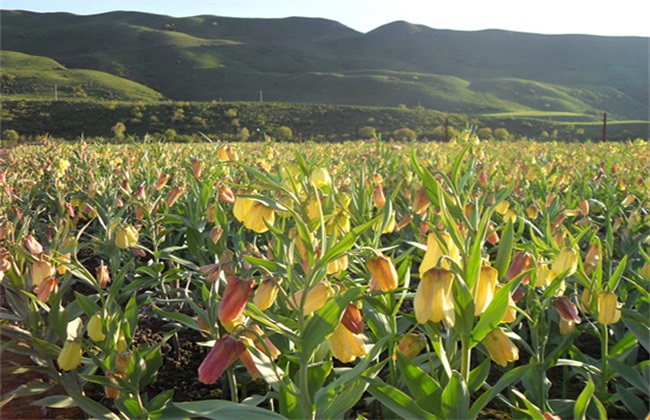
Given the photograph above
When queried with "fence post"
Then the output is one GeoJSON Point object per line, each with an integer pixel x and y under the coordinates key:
{"type": "Point", "coordinates": [604, 139]}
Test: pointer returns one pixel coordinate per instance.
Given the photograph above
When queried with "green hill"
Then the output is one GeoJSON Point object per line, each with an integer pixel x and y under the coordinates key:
{"type": "Point", "coordinates": [30, 77]}
{"type": "Point", "coordinates": [307, 60]}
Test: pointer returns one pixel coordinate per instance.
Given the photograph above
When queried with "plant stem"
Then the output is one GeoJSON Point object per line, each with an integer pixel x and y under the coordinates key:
{"type": "Point", "coordinates": [304, 389]}
{"type": "Point", "coordinates": [604, 355]}
{"type": "Point", "coordinates": [466, 354]}
{"type": "Point", "coordinates": [232, 382]}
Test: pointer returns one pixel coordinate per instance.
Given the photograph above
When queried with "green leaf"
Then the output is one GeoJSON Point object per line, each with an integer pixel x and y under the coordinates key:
{"type": "Point", "coordinates": [478, 375]}
{"type": "Point", "coordinates": [396, 401]}
{"type": "Point", "coordinates": [455, 398]}
{"type": "Point", "coordinates": [505, 381]}
{"type": "Point", "coordinates": [326, 320]}
{"type": "Point", "coordinates": [88, 405]}
{"type": "Point", "coordinates": [87, 304]}
{"type": "Point", "coordinates": [492, 315]}
{"type": "Point", "coordinates": [631, 374]}
{"type": "Point", "coordinates": [223, 409]}
{"type": "Point", "coordinates": [633, 403]}
{"type": "Point", "coordinates": [350, 394]}
{"type": "Point", "coordinates": [532, 410]}
{"type": "Point", "coordinates": [422, 387]}
{"type": "Point", "coordinates": [504, 253]}
{"type": "Point", "coordinates": [179, 317]}
{"type": "Point", "coordinates": [640, 331]}
{"type": "Point", "coordinates": [56, 401]}
{"type": "Point", "coordinates": [613, 281]}
{"type": "Point", "coordinates": [582, 402]}
{"type": "Point", "coordinates": [317, 373]}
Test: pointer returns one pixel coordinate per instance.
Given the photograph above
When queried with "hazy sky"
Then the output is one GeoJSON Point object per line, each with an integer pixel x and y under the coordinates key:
{"type": "Point", "coordinates": [594, 17]}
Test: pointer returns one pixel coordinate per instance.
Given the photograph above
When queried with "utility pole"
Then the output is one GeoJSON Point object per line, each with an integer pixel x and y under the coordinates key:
{"type": "Point", "coordinates": [604, 127]}
{"type": "Point", "coordinates": [261, 96]}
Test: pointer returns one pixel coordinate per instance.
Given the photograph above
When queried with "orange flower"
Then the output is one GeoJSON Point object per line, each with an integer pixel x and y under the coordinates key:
{"type": "Point", "coordinates": [345, 345]}
{"type": "Point", "coordinates": [384, 275]}
{"type": "Point", "coordinates": [352, 319]}
{"type": "Point", "coordinates": [378, 197]}
{"type": "Point", "coordinates": [224, 353]}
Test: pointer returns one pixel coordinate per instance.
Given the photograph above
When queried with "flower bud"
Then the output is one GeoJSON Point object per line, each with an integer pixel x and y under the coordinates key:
{"type": "Point", "coordinates": [352, 319]}
{"type": "Point", "coordinates": [592, 258]}
{"type": "Point", "coordinates": [433, 298]}
{"type": "Point", "coordinates": [566, 326]}
{"type": "Point", "coordinates": [95, 328]}
{"type": "Point", "coordinates": [174, 194]}
{"type": "Point", "coordinates": [337, 265]}
{"type": "Point", "coordinates": [266, 294]}
{"type": "Point", "coordinates": [112, 393]}
{"type": "Point", "coordinates": [127, 237]}
{"type": "Point", "coordinates": [500, 348]}
{"type": "Point", "coordinates": [162, 180]}
{"type": "Point", "coordinates": [224, 353]}
{"type": "Point", "coordinates": [225, 194]}
{"type": "Point", "coordinates": [234, 299]}
{"type": "Point", "coordinates": [384, 274]}
{"type": "Point", "coordinates": [102, 275]}
{"type": "Point", "coordinates": [215, 234]}
{"type": "Point", "coordinates": [411, 345]}
{"type": "Point", "coordinates": [608, 312]}
{"type": "Point", "coordinates": [70, 355]}
{"type": "Point", "coordinates": [521, 262]}
{"type": "Point", "coordinates": [196, 166]}
{"type": "Point", "coordinates": [378, 197]}
{"type": "Point", "coordinates": [33, 246]}
{"type": "Point", "coordinates": [484, 289]}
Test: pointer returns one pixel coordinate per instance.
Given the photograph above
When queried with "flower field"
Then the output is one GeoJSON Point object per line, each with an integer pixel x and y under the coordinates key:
{"type": "Point", "coordinates": [452, 280]}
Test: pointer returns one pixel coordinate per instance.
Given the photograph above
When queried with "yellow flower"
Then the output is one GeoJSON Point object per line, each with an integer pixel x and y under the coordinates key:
{"type": "Point", "coordinates": [126, 237]}
{"type": "Point", "coordinates": [315, 299]}
{"type": "Point", "coordinates": [500, 348]}
{"type": "Point", "coordinates": [242, 207]}
{"type": "Point", "coordinates": [258, 215]}
{"type": "Point", "coordinates": [40, 270]}
{"type": "Point", "coordinates": [346, 346]}
{"type": "Point", "coordinates": [384, 275]}
{"type": "Point", "coordinates": [433, 298]}
{"type": "Point", "coordinates": [608, 312]}
{"type": "Point", "coordinates": [410, 345]}
{"type": "Point", "coordinates": [567, 260]}
{"type": "Point", "coordinates": [95, 328]}
{"type": "Point", "coordinates": [435, 252]}
{"type": "Point", "coordinates": [484, 289]}
{"type": "Point", "coordinates": [338, 265]}
{"type": "Point", "coordinates": [70, 356]}
{"type": "Point", "coordinates": [320, 178]}
{"type": "Point", "coordinates": [266, 294]}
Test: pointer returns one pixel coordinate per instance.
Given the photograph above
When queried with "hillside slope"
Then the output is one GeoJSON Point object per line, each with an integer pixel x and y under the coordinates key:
{"type": "Point", "coordinates": [320, 61]}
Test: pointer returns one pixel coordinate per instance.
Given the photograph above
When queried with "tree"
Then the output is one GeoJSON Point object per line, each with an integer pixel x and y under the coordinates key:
{"type": "Point", "coordinates": [10, 136]}
{"type": "Point", "coordinates": [367, 132]}
{"type": "Point", "coordinates": [405, 134]}
{"type": "Point", "coordinates": [243, 134]}
{"type": "Point", "coordinates": [501, 134]}
{"type": "Point", "coordinates": [118, 131]}
{"type": "Point", "coordinates": [282, 133]}
{"type": "Point", "coordinates": [170, 134]}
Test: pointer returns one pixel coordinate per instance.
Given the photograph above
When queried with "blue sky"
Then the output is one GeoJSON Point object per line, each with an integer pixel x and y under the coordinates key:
{"type": "Point", "coordinates": [594, 17]}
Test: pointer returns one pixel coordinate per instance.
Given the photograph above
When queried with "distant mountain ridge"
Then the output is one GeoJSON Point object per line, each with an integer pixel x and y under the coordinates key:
{"type": "Point", "coordinates": [313, 60]}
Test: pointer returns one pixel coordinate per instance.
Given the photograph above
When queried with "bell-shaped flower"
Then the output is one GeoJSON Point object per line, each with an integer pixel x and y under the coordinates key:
{"type": "Point", "coordinates": [566, 260]}
{"type": "Point", "coordinates": [521, 262]}
{"type": "Point", "coordinates": [608, 308]}
{"type": "Point", "coordinates": [592, 259]}
{"type": "Point", "coordinates": [337, 265]}
{"type": "Point", "coordinates": [320, 178]}
{"type": "Point", "coordinates": [378, 197]}
{"type": "Point", "coordinates": [420, 201]}
{"type": "Point", "coordinates": [126, 237]}
{"type": "Point", "coordinates": [40, 270]}
{"type": "Point", "coordinates": [70, 355]}
{"type": "Point", "coordinates": [45, 288]}
{"type": "Point", "coordinates": [315, 299]}
{"type": "Point", "coordinates": [435, 252]}
{"type": "Point", "coordinates": [174, 194]}
{"type": "Point", "coordinates": [32, 245]}
{"type": "Point", "coordinates": [345, 345]}
{"type": "Point", "coordinates": [500, 348]}
{"type": "Point", "coordinates": [411, 345]}
{"type": "Point", "coordinates": [234, 299]}
{"type": "Point", "coordinates": [352, 319]}
{"type": "Point", "coordinates": [102, 275]}
{"type": "Point", "coordinates": [266, 293]}
{"type": "Point", "coordinates": [433, 298]}
{"type": "Point", "coordinates": [566, 309]}
{"type": "Point", "coordinates": [263, 344]}
{"type": "Point", "coordinates": [95, 328]}
{"type": "Point", "coordinates": [224, 353]}
{"type": "Point", "coordinates": [384, 274]}
{"type": "Point", "coordinates": [484, 289]}
{"type": "Point", "coordinates": [259, 214]}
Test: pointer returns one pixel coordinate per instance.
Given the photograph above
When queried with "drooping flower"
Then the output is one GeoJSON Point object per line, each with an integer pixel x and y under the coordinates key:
{"type": "Point", "coordinates": [500, 348]}
{"type": "Point", "coordinates": [592, 259]}
{"type": "Point", "coordinates": [315, 299]}
{"type": "Point", "coordinates": [521, 262]}
{"type": "Point", "coordinates": [224, 353]}
{"type": "Point", "coordinates": [320, 177]}
{"type": "Point", "coordinates": [234, 299]}
{"type": "Point", "coordinates": [102, 275]}
{"type": "Point", "coordinates": [433, 298]}
{"type": "Point", "coordinates": [421, 201]}
{"type": "Point", "coordinates": [435, 252]}
{"type": "Point", "coordinates": [266, 293]}
{"type": "Point", "coordinates": [33, 246]}
{"type": "Point", "coordinates": [262, 343]}
{"type": "Point", "coordinates": [567, 260]}
{"type": "Point", "coordinates": [352, 319]}
{"type": "Point", "coordinates": [345, 345]}
{"type": "Point", "coordinates": [484, 289]}
{"type": "Point", "coordinates": [45, 288]}
{"type": "Point", "coordinates": [95, 328]}
{"type": "Point", "coordinates": [338, 265]}
{"type": "Point", "coordinates": [174, 194]}
{"type": "Point", "coordinates": [566, 309]}
{"type": "Point", "coordinates": [608, 308]}
{"type": "Point", "coordinates": [258, 216]}
{"type": "Point", "coordinates": [384, 274]}
{"type": "Point", "coordinates": [378, 197]}
{"type": "Point", "coordinates": [40, 270]}
{"type": "Point", "coordinates": [411, 345]}
{"type": "Point", "coordinates": [70, 355]}
{"type": "Point", "coordinates": [127, 237]}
